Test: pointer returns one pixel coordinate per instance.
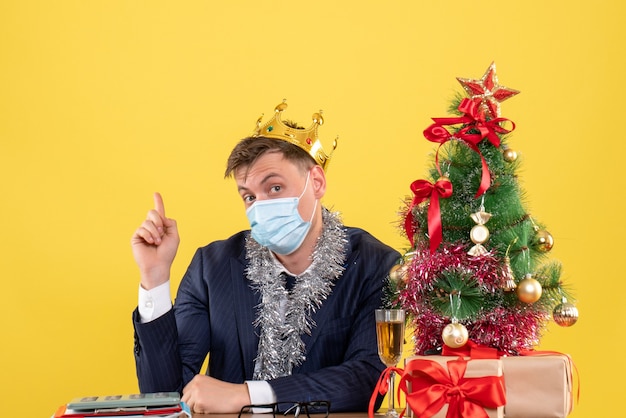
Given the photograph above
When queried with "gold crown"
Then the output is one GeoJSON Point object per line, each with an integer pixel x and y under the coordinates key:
{"type": "Point", "coordinates": [306, 139]}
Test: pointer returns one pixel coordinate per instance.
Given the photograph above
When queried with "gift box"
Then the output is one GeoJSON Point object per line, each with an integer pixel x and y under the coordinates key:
{"type": "Point", "coordinates": [538, 386]}
{"type": "Point", "coordinates": [471, 387]}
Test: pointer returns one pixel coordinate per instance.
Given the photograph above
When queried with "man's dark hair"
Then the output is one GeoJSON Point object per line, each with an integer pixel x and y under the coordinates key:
{"type": "Point", "coordinates": [250, 149]}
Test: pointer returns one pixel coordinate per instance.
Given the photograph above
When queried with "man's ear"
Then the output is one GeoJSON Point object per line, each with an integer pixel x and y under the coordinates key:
{"type": "Point", "coordinates": [318, 179]}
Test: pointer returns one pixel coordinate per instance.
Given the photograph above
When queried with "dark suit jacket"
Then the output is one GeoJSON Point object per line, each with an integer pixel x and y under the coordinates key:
{"type": "Point", "coordinates": [214, 311]}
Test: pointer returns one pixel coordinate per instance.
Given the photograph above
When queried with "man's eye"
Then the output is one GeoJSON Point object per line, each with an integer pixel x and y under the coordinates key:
{"type": "Point", "coordinates": [276, 189]}
{"type": "Point", "coordinates": [248, 199]}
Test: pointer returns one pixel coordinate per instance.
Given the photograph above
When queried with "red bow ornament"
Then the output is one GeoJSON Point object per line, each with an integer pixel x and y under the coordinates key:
{"type": "Point", "coordinates": [432, 387]}
{"type": "Point", "coordinates": [424, 190]}
{"type": "Point", "coordinates": [476, 128]}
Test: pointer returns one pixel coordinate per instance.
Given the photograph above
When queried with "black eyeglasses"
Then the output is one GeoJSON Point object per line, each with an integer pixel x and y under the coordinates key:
{"type": "Point", "coordinates": [289, 407]}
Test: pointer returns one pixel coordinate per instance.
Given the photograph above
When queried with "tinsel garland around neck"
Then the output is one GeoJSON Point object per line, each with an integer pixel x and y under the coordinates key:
{"type": "Point", "coordinates": [282, 316]}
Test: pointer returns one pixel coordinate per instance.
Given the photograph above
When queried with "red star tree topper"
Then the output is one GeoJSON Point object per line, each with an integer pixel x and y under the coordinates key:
{"type": "Point", "coordinates": [486, 92]}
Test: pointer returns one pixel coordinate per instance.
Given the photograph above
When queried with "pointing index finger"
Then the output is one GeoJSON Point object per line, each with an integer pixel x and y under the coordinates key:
{"type": "Point", "coordinates": [158, 204]}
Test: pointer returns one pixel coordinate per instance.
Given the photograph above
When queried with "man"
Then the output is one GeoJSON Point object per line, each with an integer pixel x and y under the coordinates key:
{"type": "Point", "coordinates": [285, 310]}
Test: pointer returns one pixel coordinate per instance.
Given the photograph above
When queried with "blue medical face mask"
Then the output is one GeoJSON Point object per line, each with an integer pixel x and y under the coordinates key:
{"type": "Point", "coordinates": [277, 224]}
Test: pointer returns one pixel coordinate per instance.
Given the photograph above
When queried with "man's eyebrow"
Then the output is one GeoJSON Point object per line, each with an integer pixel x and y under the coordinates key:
{"type": "Point", "coordinates": [265, 179]}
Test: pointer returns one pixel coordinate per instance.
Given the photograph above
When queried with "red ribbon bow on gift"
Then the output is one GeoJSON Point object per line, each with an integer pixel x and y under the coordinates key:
{"type": "Point", "coordinates": [423, 190]}
{"type": "Point", "coordinates": [432, 387]}
{"type": "Point", "coordinates": [476, 128]}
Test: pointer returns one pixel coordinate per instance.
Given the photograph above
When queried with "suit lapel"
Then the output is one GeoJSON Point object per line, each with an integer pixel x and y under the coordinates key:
{"type": "Point", "coordinates": [243, 305]}
{"type": "Point", "coordinates": [326, 312]}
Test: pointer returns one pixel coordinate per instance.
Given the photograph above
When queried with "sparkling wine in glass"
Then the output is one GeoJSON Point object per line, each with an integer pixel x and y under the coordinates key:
{"type": "Point", "coordinates": [390, 337]}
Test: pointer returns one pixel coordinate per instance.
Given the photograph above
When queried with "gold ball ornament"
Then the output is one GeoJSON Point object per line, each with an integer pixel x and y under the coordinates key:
{"type": "Point", "coordinates": [509, 155]}
{"type": "Point", "coordinates": [529, 290]}
{"type": "Point", "coordinates": [565, 314]}
{"type": "Point", "coordinates": [454, 335]}
{"type": "Point", "coordinates": [399, 273]}
{"type": "Point", "coordinates": [543, 241]}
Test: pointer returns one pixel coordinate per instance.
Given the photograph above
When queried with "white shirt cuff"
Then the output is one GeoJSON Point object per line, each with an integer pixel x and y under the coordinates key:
{"type": "Point", "coordinates": [261, 393]}
{"type": "Point", "coordinates": [155, 302]}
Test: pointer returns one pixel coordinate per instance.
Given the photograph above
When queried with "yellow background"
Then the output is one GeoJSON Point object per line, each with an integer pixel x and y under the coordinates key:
{"type": "Point", "coordinates": [104, 102]}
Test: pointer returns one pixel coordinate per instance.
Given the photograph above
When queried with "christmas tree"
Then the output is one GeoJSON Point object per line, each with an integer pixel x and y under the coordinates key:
{"type": "Point", "coordinates": [478, 267]}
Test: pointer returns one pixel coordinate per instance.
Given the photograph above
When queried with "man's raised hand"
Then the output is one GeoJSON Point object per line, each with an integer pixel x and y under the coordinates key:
{"type": "Point", "coordinates": [154, 245]}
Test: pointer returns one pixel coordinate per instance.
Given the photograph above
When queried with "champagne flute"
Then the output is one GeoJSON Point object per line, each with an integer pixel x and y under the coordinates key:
{"type": "Point", "coordinates": [390, 337]}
